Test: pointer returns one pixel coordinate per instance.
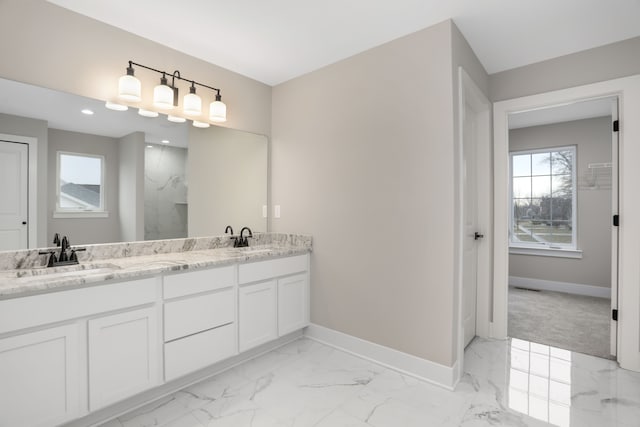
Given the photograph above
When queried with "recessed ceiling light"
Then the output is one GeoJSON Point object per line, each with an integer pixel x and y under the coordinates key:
{"type": "Point", "coordinates": [114, 106]}
{"type": "Point", "coordinates": [87, 112]}
{"type": "Point", "coordinates": [147, 113]}
{"type": "Point", "coordinates": [165, 141]}
{"type": "Point", "coordinates": [149, 146]}
{"type": "Point", "coordinates": [200, 124]}
{"type": "Point", "coordinates": [176, 119]}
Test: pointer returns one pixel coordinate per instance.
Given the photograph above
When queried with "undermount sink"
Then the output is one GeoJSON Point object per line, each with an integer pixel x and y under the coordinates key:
{"type": "Point", "coordinates": [67, 270]}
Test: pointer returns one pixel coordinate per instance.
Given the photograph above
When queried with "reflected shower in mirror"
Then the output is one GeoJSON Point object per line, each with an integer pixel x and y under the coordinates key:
{"type": "Point", "coordinates": [159, 179]}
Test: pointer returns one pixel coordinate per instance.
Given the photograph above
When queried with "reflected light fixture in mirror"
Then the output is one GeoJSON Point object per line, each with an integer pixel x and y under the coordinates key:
{"type": "Point", "coordinates": [176, 119]}
{"type": "Point", "coordinates": [198, 124]}
{"type": "Point", "coordinates": [115, 106]}
{"type": "Point", "coordinates": [147, 113]}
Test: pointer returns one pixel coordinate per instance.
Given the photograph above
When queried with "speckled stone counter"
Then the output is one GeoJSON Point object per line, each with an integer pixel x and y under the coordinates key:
{"type": "Point", "coordinates": [22, 273]}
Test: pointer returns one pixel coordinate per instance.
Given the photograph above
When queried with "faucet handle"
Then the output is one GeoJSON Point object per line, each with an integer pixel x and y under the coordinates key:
{"type": "Point", "coordinates": [51, 260]}
{"type": "Point", "coordinates": [74, 257]}
{"type": "Point", "coordinates": [56, 239]}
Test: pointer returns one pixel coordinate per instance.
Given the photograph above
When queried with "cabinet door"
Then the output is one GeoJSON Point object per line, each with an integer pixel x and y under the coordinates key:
{"type": "Point", "coordinates": [293, 303]}
{"type": "Point", "coordinates": [39, 377]}
{"type": "Point", "coordinates": [123, 355]}
{"type": "Point", "coordinates": [257, 314]}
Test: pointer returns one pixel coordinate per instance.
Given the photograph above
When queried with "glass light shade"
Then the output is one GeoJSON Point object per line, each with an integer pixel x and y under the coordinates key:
{"type": "Point", "coordinates": [147, 113]}
{"type": "Point", "coordinates": [116, 107]}
{"type": "Point", "coordinates": [217, 111]}
{"type": "Point", "coordinates": [192, 105]}
{"type": "Point", "coordinates": [163, 97]}
{"type": "Point", "coordinates": [176, 119]}
{"type": "Point", "coordinates": [129, 88]}
{"type": "Point", "coordinates": [201, 124]}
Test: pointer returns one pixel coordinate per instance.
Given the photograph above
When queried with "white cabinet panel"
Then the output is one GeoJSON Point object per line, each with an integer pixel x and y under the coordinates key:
{"type": "Point", "coordinates": [293, 303]}
{"type": "Point", "coordinates": [198, 351]}
{"type": "Point", "coordinates": [189, 316]}
{"type": "Point", "coordinates": [257, 317]}
{"type": "Point", "coordinates": [123, 355]}
{"type": "Point", "coordinates": [39, 377]}
{"type": "Point", "coordinates": [264, 270]}
{"type": "Point", "coordinates": [193, 282]}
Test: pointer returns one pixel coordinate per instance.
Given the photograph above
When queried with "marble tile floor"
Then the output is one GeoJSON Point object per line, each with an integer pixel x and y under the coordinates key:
{"type": "Point", "coordinates": [305, 383]}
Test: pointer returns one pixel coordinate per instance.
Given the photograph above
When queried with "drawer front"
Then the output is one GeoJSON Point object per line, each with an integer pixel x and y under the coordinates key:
{"type": "Point", "coordinates": [20, 313]}
{"type": "Point", "coordinates": [199, 351]}
{"type": "Point", "coordinates": [191, 315]}
{"type": "Point", "coordinates": [193, 282]}
{"type": "Point", "coordinates": [262, 270]}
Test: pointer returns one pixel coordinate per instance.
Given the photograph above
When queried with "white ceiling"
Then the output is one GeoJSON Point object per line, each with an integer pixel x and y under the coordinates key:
{"type": "Point", "coordinates": [275, 40]}
{"type": "Point", "coordinates": [63, 111]}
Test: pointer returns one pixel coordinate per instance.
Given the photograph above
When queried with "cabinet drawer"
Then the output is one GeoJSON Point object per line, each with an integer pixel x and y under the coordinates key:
{"type": "Point", "coordinates": [262, 270]}
{"type": "Point", "coordinates": [193, 282]}
{"type": "Point", "coordinates": [188, 316]}
{"type": "Point", "coordinates": [199, 351]}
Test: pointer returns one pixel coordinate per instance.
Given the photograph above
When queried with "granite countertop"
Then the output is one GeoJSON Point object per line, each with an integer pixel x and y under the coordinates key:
{"type": "Point", "coordinates": [16, 283]}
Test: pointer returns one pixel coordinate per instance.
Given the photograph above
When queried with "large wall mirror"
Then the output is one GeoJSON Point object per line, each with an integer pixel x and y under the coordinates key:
{"type": "Point", "coordinates": [107, 176]}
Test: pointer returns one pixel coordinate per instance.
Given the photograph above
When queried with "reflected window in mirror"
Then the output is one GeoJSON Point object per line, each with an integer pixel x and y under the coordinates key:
{"type": "Point", "coordinates": [80, 185]}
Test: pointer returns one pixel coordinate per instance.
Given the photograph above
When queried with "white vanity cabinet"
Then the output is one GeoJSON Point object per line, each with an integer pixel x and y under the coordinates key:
{"type": "Point", "coordinates": [40, 377]}
{"type": "Point", "coordinates": [199, 319]}
{"type": "Point", "coordinates": [273, 299]}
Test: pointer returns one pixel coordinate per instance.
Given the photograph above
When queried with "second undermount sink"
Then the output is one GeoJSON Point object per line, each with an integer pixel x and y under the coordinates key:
{"type": "Point", "coordinates": [66, 271]}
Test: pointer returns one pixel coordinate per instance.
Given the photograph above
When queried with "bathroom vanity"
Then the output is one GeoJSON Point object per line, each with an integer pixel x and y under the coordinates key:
{"type": "Point", "coordinates": [73, 342]}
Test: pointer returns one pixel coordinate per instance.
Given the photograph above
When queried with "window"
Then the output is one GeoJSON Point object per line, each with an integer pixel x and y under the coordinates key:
{"type": "Point", "coordinates": [543, 198]}
{"type": "Point", "coordinates": [80, 186]}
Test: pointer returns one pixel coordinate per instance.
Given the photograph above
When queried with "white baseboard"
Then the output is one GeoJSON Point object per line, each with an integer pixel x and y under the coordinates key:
{"type": "Point", "coordinates": [566, 287]}
{"type": "Point", "coordinates": [407, 364]}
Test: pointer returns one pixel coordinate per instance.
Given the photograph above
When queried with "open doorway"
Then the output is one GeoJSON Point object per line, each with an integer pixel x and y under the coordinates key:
{"type": "Point", "coordinates": [563, 192]}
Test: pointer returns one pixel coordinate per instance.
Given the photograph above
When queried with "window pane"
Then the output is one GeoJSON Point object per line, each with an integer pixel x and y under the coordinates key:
{"type": "Point", "coordinates": [521, 165]}
{"type": "Point", "coordinates": [80, 182]}
{"type": "Point", "coordinates": [561, 186]}
{"type": "Point", "coordinates": [541, 164]}
{"type": "Point", "coordinates": [522, 188]}
{"type": "Point", "coordinates": [561, 162]}
{"type": "Point", "coordinates": [540, 186]}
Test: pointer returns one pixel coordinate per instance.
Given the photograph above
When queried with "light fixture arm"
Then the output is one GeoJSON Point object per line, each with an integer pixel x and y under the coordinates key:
{"type": "Point", "coordinates": [175, 75]}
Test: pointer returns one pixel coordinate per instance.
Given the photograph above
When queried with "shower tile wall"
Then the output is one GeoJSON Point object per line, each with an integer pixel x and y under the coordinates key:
{"type": "Point", "coordinates": [165, 192]}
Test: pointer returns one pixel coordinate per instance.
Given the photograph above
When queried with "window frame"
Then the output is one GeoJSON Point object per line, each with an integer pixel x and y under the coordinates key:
{"type": "Point", "coordinates": [539, 248]}
{"type": "Point", "coordinates": [101, 212]}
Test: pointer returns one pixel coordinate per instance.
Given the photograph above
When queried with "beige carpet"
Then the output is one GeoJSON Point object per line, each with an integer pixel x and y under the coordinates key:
{"type": "Point", "coordinates": [572, 322]}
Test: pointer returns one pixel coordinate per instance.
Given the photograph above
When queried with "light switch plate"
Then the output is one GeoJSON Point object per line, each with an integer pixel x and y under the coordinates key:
{"type": "Point", "coordinates": [276, 211]}
{"type": "Point", "coordinates": [264, 211]}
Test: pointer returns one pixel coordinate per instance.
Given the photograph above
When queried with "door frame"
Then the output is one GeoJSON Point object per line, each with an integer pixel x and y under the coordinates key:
{"type": "Point", "coordinates": [32, 184]}
{"type": "Point", "coordinates": [470, 94]}
{"type": "Point", "coordinates": [628, 92]}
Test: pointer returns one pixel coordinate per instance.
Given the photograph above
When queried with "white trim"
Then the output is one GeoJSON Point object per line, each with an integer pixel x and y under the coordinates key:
{"type": "Point", "coordinates": [32, 220]}
{"type": "Point", "coordinates": [103, 200]}
{"type": "Point", "coordinates": [81, 214]}
{"type": "Point", "coordinates": [407, 364]}
{"type": "Point", "coordinates": [546, 251]}
{"type": "Point", "coordinates": [627, 90]}
{"type": "Point", "coordinates": [566, 287]}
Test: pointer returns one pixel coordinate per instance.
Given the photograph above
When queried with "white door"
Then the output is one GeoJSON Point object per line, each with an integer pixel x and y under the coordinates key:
{"type": "Point", "coordinates": [14, 175]}
{"type": "Point", "coordinates": [257, 316]}
{"type": "Point", "coordinates": [40, 377]}
{"type": "Point", "coordinates": [123, 356]}
{"type": "Point", "coordinates": [470, 224]}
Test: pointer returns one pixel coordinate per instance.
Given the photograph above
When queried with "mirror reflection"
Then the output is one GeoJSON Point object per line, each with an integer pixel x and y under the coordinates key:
{"type": "Point", "coordinates": [74, 167]}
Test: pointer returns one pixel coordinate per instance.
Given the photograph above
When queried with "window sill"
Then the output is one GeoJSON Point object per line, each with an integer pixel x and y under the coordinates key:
{"type": "Point", "coordinates": [551, 252]}
{"type": "Point", "coordinates": [81, 214]}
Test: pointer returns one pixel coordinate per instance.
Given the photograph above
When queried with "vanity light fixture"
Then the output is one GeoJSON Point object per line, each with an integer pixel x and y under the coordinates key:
{"type": "Point", "coordinates": [115, 106]}
{"type": "Point", "coordinates": [198, 124]}
{"type": "Point", "coordinates": [176, 119]}
{"type": "Point", "coordinates": [165, 95]}
{"type": "Point", "coordinates": [147, 113]}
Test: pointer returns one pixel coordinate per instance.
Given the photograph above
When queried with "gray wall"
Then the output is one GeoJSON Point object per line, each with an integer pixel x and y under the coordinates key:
{"type": "Point", "coordinates": [227, 180]}
{"type": "Point", "coordinates": [589, 66]}
{"type": "Point", "coordinates": [131, 187]}
{"type": "Point", "coordinates": [165, 192]}
{"type": "Point", "coordinates": [59, 49]}
{"type": "Point", "coordinates": [592, 138]}
{"type": "Point", "coordinates": [23, 126]}
{"type": "Point", "coordinates": [85, 230]}
{"type": "Point", "coordinates": [363, 159]}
